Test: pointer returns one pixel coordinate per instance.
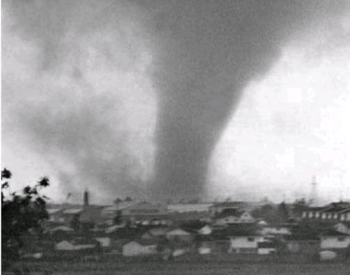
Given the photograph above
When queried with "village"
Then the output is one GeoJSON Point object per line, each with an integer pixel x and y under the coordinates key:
{"type": "Point", "coordinates": [234, 230]}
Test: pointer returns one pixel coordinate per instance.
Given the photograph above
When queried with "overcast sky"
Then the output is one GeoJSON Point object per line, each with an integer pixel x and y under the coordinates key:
{"type": "Point", "coordinates": [80, 106]}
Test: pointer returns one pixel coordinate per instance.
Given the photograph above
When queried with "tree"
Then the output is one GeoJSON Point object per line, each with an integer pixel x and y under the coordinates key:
{"type": "Point", "coordinates": [21, 213]}
{"type": "Point", "coordinates": [118, 200]}
{"type": "Point", "coordinates": [283, 212]}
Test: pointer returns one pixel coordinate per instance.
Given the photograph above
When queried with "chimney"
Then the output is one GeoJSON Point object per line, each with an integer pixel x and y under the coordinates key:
{"type": "Point", "coordinates": [86, 198]}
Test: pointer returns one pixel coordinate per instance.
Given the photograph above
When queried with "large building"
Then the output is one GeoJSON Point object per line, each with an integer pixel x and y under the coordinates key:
{"type": "Point", "coordinates": [334, 212]}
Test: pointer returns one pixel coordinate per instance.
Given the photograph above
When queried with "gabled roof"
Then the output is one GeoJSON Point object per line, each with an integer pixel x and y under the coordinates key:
{"type": "Point", "coordinates": [346, 210]}
{"type": "Point", "coordinates": [178, 231]}
{"type": "Point", "coordinates": [231, 231]}
{"type": "Point", "coordinates": [61, 228]}
{"type": "Point", "coordinates": [114, 228]}
{"type": "Point", "coordinates": [142, 242]}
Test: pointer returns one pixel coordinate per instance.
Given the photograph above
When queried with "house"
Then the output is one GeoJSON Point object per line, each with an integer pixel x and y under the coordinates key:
{"type": "Point", "coordinates": [233, 217]}
{"type": "Point", "coordinates": [155, 232]}
{"type": "Point", "coordinates": [179, 217]}
{"type": "Point", "coordinates": [109, 213]}
{"type": "Point", "coordinates": [55, 215]}
{"type": "Point", "coordinates": [218, 208]}
{"type": "Point", "coordinates": [343, 228]}
{"type": "Point", "coordinates": [105, 242]}
{"type": "Point", "coordinates": [245, 242]}
{"type": "Point", "coordinates": [305, 244]}
{"type": "Point", "coordinates": [332, 239]}
{"type": "Point", "coordinates": [61, 228]}
{"type": "Point", "coordinates": [144, 212]}
{"type": "Point", "coordinates": [115, 228]}
{"type": "Point", "coordinates": [225, 219]}
{"type": "Point", "coordinates": [266, 247]}
{"type": "Point", "coordinates": [212, 244]}
{"type": "Point", "coordinates": [139, 248]}
{"type": "Point", "coordinates": [70, 215]}
{"type": "Point", "coordinates": [276, 231]}
{"type": "Point", "coordinates": [179, 234]}
{"type": "Point", "coordinates": [64, 245]}
{"type": "Point", "coordinates": [345, 215]}
{"type": "Point", "coordinates": [205, 230]}
{"type": "Point", "coordinates": [333, 212]}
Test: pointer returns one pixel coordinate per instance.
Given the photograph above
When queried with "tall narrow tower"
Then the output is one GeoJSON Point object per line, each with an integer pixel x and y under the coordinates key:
{"type": "Point", "coordinates": [313, 195]}
{"type": "Point", "coordinates": [86, 198]}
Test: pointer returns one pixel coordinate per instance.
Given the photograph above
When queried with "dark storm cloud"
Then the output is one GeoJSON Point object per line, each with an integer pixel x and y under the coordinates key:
{"type": "Point", "coordinates": [203, 55]}
{"type": "Point", "coordinates": [70, 105]}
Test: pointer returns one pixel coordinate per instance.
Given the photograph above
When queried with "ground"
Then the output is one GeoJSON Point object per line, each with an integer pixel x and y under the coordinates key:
{"type": "Point", "coordinates": [193, 268]}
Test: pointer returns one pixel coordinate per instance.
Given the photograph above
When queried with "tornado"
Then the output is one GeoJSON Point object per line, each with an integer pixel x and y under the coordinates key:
{"type": "Point", "coordinates": [206, 53]}
{"type": "Point", "coordinates": [127, 96]}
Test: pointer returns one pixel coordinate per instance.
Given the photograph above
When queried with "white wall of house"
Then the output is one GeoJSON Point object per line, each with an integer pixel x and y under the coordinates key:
{"type": "Point", "coordinates": [135, 249]}
{"type": "Point", "coordinates": [266, 251]}
{"type": "Point", "coordinates": [328, 242]}
{"type": "Point", "coordinates": [246, 217]}
{"type": "Point", "coordinates": [276, 231]}
{"type": "Point", "coordinates": [244, 242]}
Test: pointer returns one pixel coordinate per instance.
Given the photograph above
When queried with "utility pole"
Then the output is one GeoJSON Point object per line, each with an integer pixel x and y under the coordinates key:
{"type": "Point", "coordinates": [313, 196]}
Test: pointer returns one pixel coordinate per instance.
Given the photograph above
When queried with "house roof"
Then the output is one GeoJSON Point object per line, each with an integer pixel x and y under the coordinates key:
{"type": "Point", "coordinates": [301, 237]}
{"type": "Point", "coordinates": [188, 216]}
{"type": "Point", "coordinates": [232, 204]}
{"type": "Point", "coordinates": [316, 208]}
{"type": "Point", "coordinates": [346, 210]}
{"type": "Point", "coordinates": [53, 211]}
{"type": "Point", "coordinates": [73, 211]}
{"type": "Point", "coordinates": [114, 228]}
{"type": "Point", "coordinates": [143, 242]}
{"type": "Point", "coordinates": [178, 231]}
{"type": "Point", "coordinates": [232, 231]}
{"type": "Point", "coordinates": [332, 232]}
{"type": "Point", "coordinates": [61, 228]}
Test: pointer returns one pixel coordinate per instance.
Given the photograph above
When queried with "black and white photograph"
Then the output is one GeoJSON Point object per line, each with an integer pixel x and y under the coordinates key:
{"type": "Point", "coordinates": [175, 137]}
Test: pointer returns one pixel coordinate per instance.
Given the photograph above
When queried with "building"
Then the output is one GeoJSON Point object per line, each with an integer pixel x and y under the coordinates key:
{"type": "Point", "coordinates": [332, 239]}
{"type": "Point", "coordinates": [266, 247]}
{"type": "Point", "coordinates": [55, 215]}
{"type": "Point", "coordinates": [345, 215]}
{"type": "Point", "coordinates": [144, 213]}
{"type": "Point", "coordinates": [245, 242]}
{"type": "Point", "coordinates": [109, 213]}
{"type": "Point", "coordinates": [90, 214]}
{"type": "Point", "coordinates": [139, 248]}
{"type": "Point", "coordinates": [218, 208]}
{"type": "Point", "coordinates": [233, 217]}
{"type": "Point", "coordinates": [179, 234]}
{"type": "Point", "coordinates": [333, 212]}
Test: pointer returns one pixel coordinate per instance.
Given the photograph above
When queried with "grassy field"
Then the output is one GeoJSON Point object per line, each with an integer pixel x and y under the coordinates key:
{"type": "Point", "coordinates": [184, 268]}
